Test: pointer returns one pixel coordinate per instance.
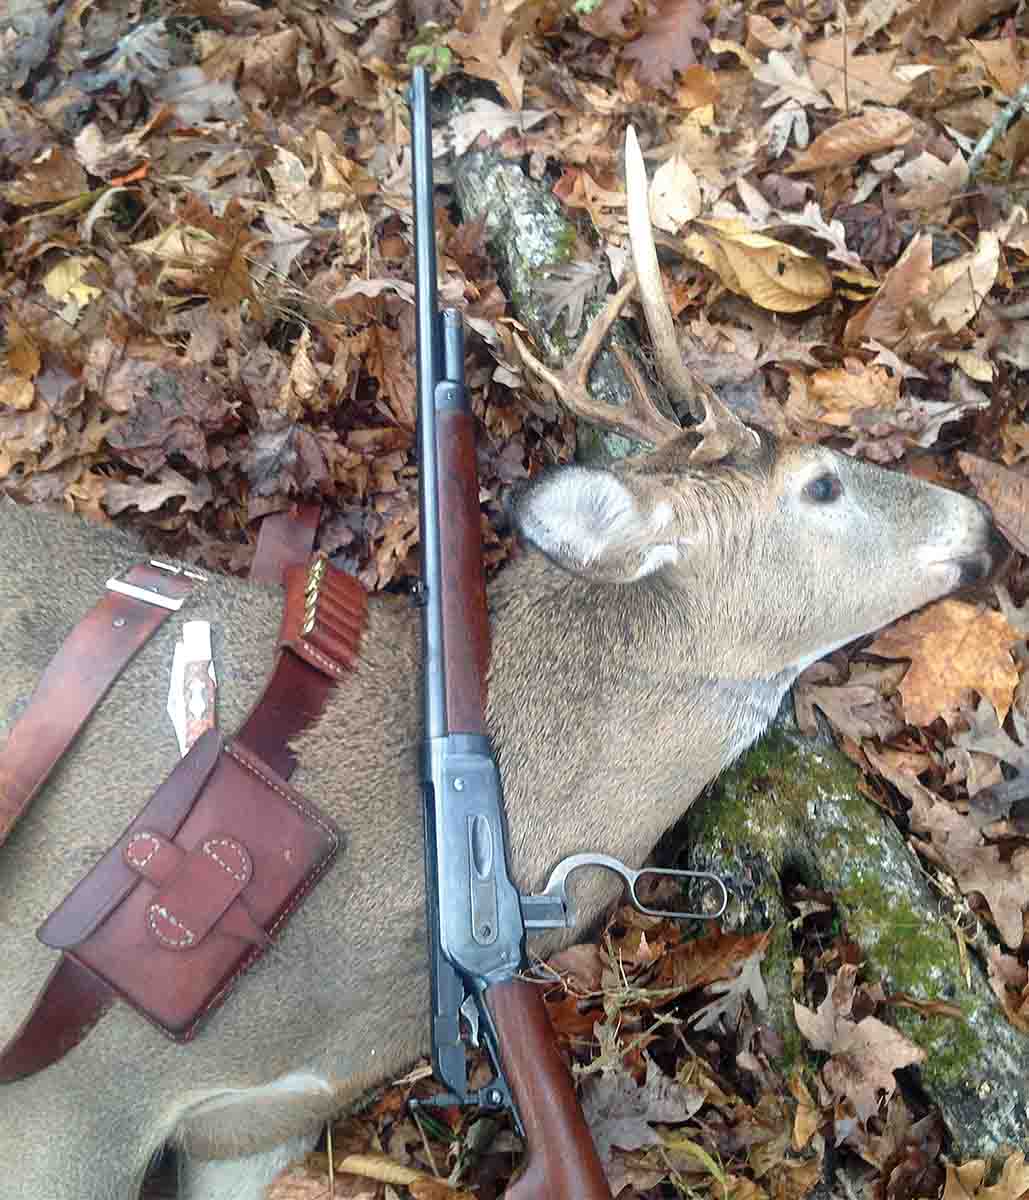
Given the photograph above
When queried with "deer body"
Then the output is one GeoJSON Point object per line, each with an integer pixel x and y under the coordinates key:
{"type": "Point", "coordinates": [648, 644]}
{"type": "Point", "coordinates": [649, 638]}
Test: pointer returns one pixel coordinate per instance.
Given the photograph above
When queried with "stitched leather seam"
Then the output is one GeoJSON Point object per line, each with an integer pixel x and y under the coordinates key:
{"type": "Point", "coordinates": [188, 936]}
{"type": "Point", "coordinates": [323, 659]}
{"type": "Point", "coordinates": [297, 804]}
{"type": "Point", "coordinates": [246, 963]}
{"type": "Point", "coordinates": [155, 845]}
{"type": "Point", "coordinates": [237, 875]}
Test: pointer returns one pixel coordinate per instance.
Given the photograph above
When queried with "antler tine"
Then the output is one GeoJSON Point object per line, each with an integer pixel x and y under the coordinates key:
{"type": "Point", "coordinates": [721, 431]}
{"type": "Point", "coordinates": [639, 419]}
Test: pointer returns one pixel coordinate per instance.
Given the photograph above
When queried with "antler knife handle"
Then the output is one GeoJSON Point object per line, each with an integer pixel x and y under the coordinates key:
{"type": "Point", "coordinates": [561, 1160]}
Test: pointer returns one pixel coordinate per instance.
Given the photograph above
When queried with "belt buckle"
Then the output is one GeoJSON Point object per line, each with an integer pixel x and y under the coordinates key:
{"type": "Point", "coordinates": [152, 595]}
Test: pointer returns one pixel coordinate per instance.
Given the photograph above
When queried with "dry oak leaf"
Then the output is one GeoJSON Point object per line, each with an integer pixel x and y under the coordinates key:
{"type": "Point", "coordinates": [841, 391]}
{"type": "Point", "coordinates": [1007, 494]}
{"type": "Point", "coordinates": [773, 274]}
{"type": "Point", "coordinates": [847, 141]}
{"type": "Point", "coordinates": [965, 1182]}
{"type": "Point", "coordinates": [674, 195]}
{"type": "Point", "coordinates": [483, 116]}
{"type": "Point", "coordinates": [890, 314]}
{"type": "Point", "coordinates": [1010, 982]}
{"type": "Point", "coordinates": [932, 182]}
{"type": "Point", "coordinates": [793, 85]}
{"type": "Point", "coordinates": [869, 79]}
{"type": "Point", "coordinates": [953, 647]}
{"type": "Point", "coordinates": [51, 177]}
{"type": "Point", "coordinates": [666, 42]}
{"type": "Point", "coordinates": [481, 51]}
{"type": "Point", "coordinates": [857, 707]}
{"type": "Point", "coordinates": [807, 1118]}
{"type": "Point", "coordinates": [958, 288]}
{"type": "Point", "coordinates": [1004, 885]}
{"type": "Point", "coordinates": [863, 1054]}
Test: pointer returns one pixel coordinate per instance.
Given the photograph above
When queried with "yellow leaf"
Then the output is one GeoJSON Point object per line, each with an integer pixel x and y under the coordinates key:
{"type": "Point", "coordinates": [16, 392]}
{"type": "Point", "coordinates": [773, 274]}
{"type": "Point", "coordinates": [65, 281]}
{"type": "Point", "coordinates": [953, 647]}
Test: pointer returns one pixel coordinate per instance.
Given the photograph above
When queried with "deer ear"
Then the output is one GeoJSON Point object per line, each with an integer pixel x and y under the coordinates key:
{"type": "Point", "coordinates": [589, 522]}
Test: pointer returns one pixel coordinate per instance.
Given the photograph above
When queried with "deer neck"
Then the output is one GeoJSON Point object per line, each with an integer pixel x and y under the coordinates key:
{"type": "Point", "coordinates": [601, 704]}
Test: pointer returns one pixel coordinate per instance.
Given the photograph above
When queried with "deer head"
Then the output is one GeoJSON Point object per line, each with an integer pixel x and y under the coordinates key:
{"type": "Point", "coordinates": [774, 550]}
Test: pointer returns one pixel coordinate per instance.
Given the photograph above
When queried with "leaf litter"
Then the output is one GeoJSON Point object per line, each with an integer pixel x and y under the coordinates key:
{"type": "Point", "coordinates": [206, 316]}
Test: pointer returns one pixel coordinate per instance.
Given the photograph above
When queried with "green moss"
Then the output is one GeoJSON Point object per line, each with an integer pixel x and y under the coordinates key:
{"type": "Point", "coordinates": [914, 954]}
{"type": "Point", "coordinates": [952, 1047]}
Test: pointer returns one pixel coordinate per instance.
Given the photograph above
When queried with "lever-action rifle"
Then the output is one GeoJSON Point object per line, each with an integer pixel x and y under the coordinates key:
{"type": "Point", "coordinates": [476, 918]}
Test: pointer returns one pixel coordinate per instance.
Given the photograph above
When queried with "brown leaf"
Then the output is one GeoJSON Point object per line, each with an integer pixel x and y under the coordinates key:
{"type": "Point", "coordinates": [620, 1113]}
{"type": "Point", "coordinates": [807, 1118]}
{"type": "Point", "coordinates": [149, 496]}
{"type": "Point", "coordinates": [858, 708]}
{"type": "Point", "coordinates": [953, 647]}
{"type": "Point", "coordinates": [847, 141]}
{"type": "Point", "coordinates": [482, 53]}
{"type": "Point", "coordinates": [965, 1182]}
{"type": "Point", "coordinates": [864, 1054]}
{"type": "Point", "coordinates": [1010, 982]}
{"type": "Point", "coordinates": [666, 43]}
{"type": "Point", "coordinates": [51, 177]}
{"type": "Point", "coordinates": [1007, 494]}
{"type": "Point", "coordinates": [889, 315]}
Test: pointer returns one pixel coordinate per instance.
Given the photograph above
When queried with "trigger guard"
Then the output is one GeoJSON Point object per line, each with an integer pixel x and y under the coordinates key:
{"type": "Point", "coordinates": [555, 888]}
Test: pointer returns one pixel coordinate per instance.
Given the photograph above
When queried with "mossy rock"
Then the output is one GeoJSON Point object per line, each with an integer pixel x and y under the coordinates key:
{"type": "Point", "coordinates": [792, 806]}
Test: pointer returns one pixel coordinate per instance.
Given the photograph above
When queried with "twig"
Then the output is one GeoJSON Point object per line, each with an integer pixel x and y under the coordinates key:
{"type": "Point", "coordinates": [1018, 105]}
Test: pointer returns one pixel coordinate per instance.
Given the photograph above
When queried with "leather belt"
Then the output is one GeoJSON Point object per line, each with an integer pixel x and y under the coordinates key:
{"type": "Point", "coordinates": [80, 674]}
{"type": "Point", "coordinates": [73, 999]}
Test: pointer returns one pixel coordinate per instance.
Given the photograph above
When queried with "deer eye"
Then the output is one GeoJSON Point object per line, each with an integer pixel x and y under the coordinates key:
{"type": "Point", "coordinates": [824, 489]}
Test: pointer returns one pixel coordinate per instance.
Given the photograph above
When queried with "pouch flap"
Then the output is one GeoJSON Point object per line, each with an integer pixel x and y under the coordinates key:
{"type": "Point", "coordinates": [110, 881]}
{"type": "Point", "coordinates": [195, 888]}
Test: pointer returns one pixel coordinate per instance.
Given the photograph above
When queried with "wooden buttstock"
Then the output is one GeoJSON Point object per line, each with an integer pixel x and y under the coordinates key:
{"type": "Point", "coordinates": [561, 1161]}
{"type": "Point", "coordinates": [465, 619]}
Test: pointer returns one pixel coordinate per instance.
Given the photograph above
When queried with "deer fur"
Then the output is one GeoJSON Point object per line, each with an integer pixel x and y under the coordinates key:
{"type": "Point", "coordinates": [664, 608]}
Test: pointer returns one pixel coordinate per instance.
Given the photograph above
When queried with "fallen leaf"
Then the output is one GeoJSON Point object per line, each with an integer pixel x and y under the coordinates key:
{"type": "Point", "coordinates": [482, 53]}
{"type": "Point", "coordinates": [1007, 494]}
{"type": "Point", "coordinates": [483, 116]}
{"type": "Point", "coordinates": [890, 314]}
{"type": "Point", "coordinates": [773, 274]}
{"type": "Point", "coordinates": [567, 288]}
{"type": "Point", "coordinates": [1010, 982]}
{"type": "Point", "coordinates": [51, 177]}
{"type": "Point", "coordinates": [954, 647]}
{"type": "Point", "coordinates": [853, 139]}
{"type": "Point", "coordinates": [147, 497]}
{"type": "Point", "coordinates": [621, 1114]}
{"type": "Point", "coordinates": [665, 44]}
{"type": "Point", "coordinates": [863, 1054]}
{"type": "Point", "coordinates": [958, 288]}
{"type": "Point", "coordinates": [674, 195]}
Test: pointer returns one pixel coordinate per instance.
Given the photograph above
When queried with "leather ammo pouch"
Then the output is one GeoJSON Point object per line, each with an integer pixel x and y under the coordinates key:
{"type": "Point", "coordinates": [192, 891]}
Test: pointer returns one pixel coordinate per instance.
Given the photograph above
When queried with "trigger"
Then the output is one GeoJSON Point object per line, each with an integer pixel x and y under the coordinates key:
{"type": "Point", "coordinates": [470, 1011]}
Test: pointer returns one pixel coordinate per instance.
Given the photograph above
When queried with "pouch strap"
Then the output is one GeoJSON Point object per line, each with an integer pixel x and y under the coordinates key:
{"type": "Point", "coordinates": [79, 675]}
{"type": "Point", "coordinates": [67, 1007]}
{"type": "Point", "coordinates": [285, 539]}
{"type": "Point", "coordinates": [73, 999]}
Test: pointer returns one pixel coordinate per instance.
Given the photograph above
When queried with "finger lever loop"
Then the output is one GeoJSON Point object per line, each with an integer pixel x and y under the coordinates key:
{"type": "Point", "coordinates": [551, 908]}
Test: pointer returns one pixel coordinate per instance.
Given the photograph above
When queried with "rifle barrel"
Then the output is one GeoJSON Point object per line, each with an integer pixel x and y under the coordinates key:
{"type": "Point", "coordinates": [430, 364]}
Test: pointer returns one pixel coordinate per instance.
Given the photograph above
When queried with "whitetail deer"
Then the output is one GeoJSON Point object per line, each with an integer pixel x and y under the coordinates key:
{"type": "Point", "coordinates": [674, 600]}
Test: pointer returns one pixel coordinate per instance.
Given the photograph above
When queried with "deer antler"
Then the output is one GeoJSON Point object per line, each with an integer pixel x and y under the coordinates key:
{"type": "Point", "coordinates": [640, 419]}
{"type": "Point", "coordinates": [721, 431]}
